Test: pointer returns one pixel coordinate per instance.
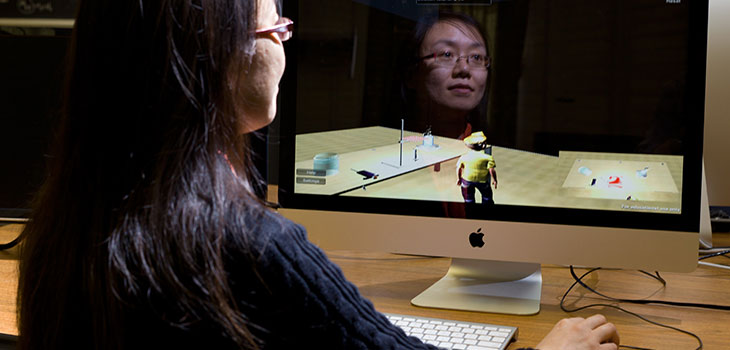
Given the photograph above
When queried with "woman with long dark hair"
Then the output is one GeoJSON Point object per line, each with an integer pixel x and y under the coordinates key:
{"type": "Point", "coordinates": [146, 233]}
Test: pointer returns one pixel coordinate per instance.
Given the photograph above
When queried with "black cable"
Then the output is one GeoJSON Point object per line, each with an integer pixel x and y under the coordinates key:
{"type": "Point", "coordinates": [655, 276]}
{"type": "Point", "coordinates": [579, 280]}
{"type": "Point", "coordinates": [648, 301]}
{"type": "Point", "coordinates": [724, 252]}
{"type": "Point", "coordinates": [12, 243]}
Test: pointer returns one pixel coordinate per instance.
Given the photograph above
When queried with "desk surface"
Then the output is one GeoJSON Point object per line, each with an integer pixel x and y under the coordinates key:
{"type": "Point", "coordinates": [390, 281]}
{"type": "Point", "coordinates": [8, 280]}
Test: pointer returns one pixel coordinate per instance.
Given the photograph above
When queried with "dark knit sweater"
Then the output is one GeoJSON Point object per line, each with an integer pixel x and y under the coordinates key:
{"type": "Point", "coordinates": [293, 297]}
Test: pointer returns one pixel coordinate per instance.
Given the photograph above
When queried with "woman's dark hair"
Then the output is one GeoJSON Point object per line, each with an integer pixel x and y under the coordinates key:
{"type": "Point", "coordinates": [425, 24]}
{"type": "Point", "coordinates": [410, 58]}
{"type": "Point", "coordinates": [147, 175]}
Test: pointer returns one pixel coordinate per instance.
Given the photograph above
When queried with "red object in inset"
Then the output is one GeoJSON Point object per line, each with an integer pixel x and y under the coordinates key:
{"type": "Point", "coordinates": [614, 181]}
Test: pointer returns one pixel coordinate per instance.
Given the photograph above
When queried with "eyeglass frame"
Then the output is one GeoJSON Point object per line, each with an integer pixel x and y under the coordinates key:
{"type": "Point", "coordinates": [283, 29]}
{"type": "Point", "coordinates": [487, 59]}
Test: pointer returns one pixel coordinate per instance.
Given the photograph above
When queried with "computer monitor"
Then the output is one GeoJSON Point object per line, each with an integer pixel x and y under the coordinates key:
{"type": "Point", "coordinates": [592, 113]}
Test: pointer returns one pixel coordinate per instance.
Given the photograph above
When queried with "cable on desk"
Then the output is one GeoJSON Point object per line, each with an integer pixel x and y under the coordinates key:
{"type": "Point", "coordinates": [713, 250]}
{"type": "Point", "coordinates": [579, 280]}
{"type": "Point", "coordinates": [13, 243]}
{"type": "Point", "coordinates": [722, 252]}
{"type": "Point", "coordinates": [710, 253]}
{"type": "Point", "coordinates": [719, 266]}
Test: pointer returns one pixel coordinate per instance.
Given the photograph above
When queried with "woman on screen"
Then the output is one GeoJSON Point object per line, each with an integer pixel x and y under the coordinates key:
{"type": "Point", "coordinates": [445, 82]}
{"type": "Point", "coordinates": [146, 233]}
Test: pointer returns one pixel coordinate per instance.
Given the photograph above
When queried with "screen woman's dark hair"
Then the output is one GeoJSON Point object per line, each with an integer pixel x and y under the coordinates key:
{"type": "Point", "coordinates": [147, 177]}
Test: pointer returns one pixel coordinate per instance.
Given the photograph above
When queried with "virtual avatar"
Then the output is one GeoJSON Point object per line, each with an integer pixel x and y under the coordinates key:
{"type": "Point", "coordinates": [475, 170]}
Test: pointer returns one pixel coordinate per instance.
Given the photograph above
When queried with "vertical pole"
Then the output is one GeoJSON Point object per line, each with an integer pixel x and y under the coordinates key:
{"type": "Point", "coordinates": [400, 161]}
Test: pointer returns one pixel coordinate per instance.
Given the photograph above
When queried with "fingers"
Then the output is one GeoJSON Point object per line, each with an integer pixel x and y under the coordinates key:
{"type": "Point", "coordinates": [608, 346]}
{"type": "Point", "coordinates": [593, 333]}
{"type": "Point", "coordinates": [604, 331]}
{"type": "Point", "coordinates": [607, 333]}
{"type": "Point", "coordinates": [596, 320]}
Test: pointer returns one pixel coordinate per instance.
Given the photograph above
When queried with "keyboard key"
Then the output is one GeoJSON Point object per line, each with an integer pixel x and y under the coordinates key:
{"type": "Point", "coordinates": [456, 340]}
{"type": "Point", "coordinates": [474, 347]}
{"type": "Point", "coordinates": [499, 334]}
{"type": "Point", "coordinates": [485, 338]}
{"type": "Point", "coordinates": [489, 344]}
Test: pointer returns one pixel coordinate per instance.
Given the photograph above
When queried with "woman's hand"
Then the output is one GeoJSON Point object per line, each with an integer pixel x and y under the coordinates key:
{"type": "Point", "coordinates": [593, 333]}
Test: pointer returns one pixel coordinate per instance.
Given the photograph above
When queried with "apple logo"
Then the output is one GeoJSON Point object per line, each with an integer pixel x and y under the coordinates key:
{"type": "Point", "coordinates": [477, 238]}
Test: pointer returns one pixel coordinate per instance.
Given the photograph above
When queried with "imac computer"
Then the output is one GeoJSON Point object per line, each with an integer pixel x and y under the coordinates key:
{"type": "Point", "coordinates": [502, 134]}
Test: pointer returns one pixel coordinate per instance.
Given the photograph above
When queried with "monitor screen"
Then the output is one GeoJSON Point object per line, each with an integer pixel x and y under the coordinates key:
{"type": "Point", "coordinates": [556, 120]}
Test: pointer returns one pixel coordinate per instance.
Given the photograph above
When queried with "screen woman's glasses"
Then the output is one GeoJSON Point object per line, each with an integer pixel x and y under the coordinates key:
{"type": "Point", "coordinates": [282, 29]}
{"type": "Point", "coordinates": [448, 58]}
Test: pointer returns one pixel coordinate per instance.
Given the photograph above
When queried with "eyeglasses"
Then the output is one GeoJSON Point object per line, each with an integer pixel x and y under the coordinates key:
{"type": "Point", "coordinates": [282, 29]}
{"type": "Point", "coordinates": [448, 58]}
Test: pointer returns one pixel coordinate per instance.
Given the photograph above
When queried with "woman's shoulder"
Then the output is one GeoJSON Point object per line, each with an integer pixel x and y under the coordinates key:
{"type": "Point", "coordinates": [258, 230]}
{"type": "Point", "coordinates": [269, 223]}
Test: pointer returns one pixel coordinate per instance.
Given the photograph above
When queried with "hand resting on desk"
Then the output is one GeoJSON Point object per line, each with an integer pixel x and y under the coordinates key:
{"type": "Point", "coordinates": [593, 333]}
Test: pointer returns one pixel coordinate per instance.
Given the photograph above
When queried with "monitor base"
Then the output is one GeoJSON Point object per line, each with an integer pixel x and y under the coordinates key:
{"type": "Point", "coordinates": [486, 286]}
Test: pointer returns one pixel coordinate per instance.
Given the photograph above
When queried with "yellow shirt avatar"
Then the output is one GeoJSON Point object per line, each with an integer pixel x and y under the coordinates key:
{"type": "Point", "coordinates": [476, 166]}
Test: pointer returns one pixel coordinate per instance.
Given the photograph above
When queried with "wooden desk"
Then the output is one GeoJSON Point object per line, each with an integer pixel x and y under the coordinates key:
{"type": "Point", "coordinates": [390, 281]}
{"type": "Point", "coordinates": [8, 282]}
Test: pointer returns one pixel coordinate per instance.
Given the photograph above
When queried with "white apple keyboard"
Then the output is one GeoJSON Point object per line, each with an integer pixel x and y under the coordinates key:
{"type": "Point", "coordinates": [450, 334]}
